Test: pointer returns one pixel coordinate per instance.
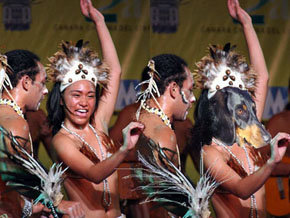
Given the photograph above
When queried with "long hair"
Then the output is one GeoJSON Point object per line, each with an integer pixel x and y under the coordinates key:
{"type": "Point", "coordinates": [56, 114]}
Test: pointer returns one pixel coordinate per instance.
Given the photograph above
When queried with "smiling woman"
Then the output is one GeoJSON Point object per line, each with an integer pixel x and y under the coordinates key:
{"type": "Point", "coordinates": [80, 119]}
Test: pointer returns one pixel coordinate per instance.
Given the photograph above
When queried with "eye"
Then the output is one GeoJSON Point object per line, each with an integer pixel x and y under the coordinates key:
{"type": "Point", "coordinates": [240, 111]}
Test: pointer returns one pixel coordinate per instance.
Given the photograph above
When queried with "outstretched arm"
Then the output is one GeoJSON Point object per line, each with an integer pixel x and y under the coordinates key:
{"type": "Point", "coordinates": [255, 53]}
{"type": "Point", "coordinates": [109, 96]}
{"type": "Point", "coordinates": [231, 181]}
{"type": "Point", "coordinates": [82, 166]}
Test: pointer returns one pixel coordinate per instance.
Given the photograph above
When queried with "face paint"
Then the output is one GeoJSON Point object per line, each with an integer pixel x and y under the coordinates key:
{"type": "Point", "coordinates": [184, 99]}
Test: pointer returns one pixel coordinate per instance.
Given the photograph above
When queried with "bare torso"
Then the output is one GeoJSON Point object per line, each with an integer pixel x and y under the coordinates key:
{"type": "Point", "coordinates": [229, 205]}
{"type": "Point", "coordinates": [89, 194]}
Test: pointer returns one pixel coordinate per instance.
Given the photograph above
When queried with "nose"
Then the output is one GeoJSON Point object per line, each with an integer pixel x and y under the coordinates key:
{"type": "Point", "coordinates": [83, 101]}
{"type": "Point", "coordinates": [45, 91]}
{"type": "Point", "coordinates": [265, 134]}
{"type": "Point", "coordinates": [192, 99]}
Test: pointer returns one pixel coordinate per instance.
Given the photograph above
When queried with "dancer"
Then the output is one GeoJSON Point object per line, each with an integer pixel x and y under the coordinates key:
{"type": "Point", "coordinates": [80, 120]}
{"type": "Point", "coordinates": [228, 128]}
{"type": "Point", "coordinates": [23, 87]}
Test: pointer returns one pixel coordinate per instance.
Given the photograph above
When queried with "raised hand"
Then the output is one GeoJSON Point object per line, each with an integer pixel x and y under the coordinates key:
{"type": "Point", "coordinates": [89, 11]}
{"type": "Point", "coordinates": [277, 150]}
{"type": "Point", "coordinates": [131, 135]}
{"type": "Point", "coordinates": [238, 13]}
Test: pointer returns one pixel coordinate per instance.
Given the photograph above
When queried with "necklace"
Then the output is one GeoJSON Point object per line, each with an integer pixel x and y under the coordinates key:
{"type": "Point", "coordinates": [106, 192]}
{"type": "Point", "coordinates": [158, 112]}
{"type": "Point", "coordinates": [12, 104]}
{"type": "Point", "coordinates": [18, 110]}
{"type": "Point", "coordinates": [253, 198]}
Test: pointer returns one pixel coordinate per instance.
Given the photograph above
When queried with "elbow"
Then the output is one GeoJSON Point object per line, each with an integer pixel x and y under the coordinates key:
{"type": "Point", "coordinates": [243, 195]}
{"type": "Point", "coordinates": [92, 177]}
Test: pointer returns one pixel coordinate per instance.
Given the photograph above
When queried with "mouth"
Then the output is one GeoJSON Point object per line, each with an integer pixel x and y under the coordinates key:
{"type": "Point", "coordinates": [81, 112]}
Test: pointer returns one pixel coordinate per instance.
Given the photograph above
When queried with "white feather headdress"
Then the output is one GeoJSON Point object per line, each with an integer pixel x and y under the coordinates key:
{"type": "Point", "coordinates": [76, 62]}
{"type": "Point", "coordinates": [4, 71]}
{"type": "Point", "coordinates": [223, 67]}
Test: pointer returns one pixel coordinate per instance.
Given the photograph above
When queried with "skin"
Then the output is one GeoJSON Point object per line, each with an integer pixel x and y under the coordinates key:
{"type": "Point", "coordinates": [39, 130]}
{"type": "Point", "coordinates": [80, 99]}
{"type": "Point", "coordinates": [237, 202]}
{"type": "Point", "coordinates": [173, 106]}
{"type": "Point", "coordinates": [28, 95]}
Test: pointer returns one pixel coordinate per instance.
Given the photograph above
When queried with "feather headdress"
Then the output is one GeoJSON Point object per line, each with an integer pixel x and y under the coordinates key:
{"type": "Point", "coordinates": [164, 183]}
{"type": "Point", "coordinates": [151, 89]}
{"type": "Point", "coordinates": [5, 69]}
{"type": "Point", "coordinates": [223, 67]}
{"type": "Point", "coordinates": [27, 176]}
{"type": "Point", "coordinates": [76, 62]}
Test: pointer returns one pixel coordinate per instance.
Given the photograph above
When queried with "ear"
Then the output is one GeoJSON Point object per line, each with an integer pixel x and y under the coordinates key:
{"type": "Point", "coordinates": [26, 82]}
{"type": "Point", "coordinates": [173, 89]}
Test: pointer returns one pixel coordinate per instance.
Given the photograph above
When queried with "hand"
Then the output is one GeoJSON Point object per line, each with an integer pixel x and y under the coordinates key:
{"type": "Point", "coordinates": [89, 11]}
{"type": "Point", "coordinates": [131, 135]}
{"type": "Point", "coordinates": [238, 13]}
{"type": "Point", "coordinates": [71, 208]}
{"type": "Point", "coordinates": [277, 150]}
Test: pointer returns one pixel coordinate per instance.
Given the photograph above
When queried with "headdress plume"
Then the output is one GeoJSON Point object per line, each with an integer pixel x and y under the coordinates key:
{"type": "Point", "coordinates": [223, 67]}
{"type": "Point", "coordinates": [76, 62]}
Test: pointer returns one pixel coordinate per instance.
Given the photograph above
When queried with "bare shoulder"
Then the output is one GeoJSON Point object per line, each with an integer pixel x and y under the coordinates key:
{"type": "Point", "coordinates": [213, 153]}
{"type": "Point", "coordinates": [63, 142]}
{"type": "Point", "coordinates": [15, 124]}
{"type": "Point", "coordinates": [165, 137]}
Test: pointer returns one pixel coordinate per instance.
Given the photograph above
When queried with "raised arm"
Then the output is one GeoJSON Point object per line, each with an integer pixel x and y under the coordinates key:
{"type": "Point", "coordinates": [109, 96]}
{"type": "Point", "coordinates": [81, 165]}
{"type": "Point", "coordinates": [231, 181]}
{"type": "Point", "coordinates": [255, 53]}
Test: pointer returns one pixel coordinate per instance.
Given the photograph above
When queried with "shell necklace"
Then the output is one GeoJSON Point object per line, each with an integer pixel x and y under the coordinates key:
{"type": "Point", "coordinates": [106, 192]}
{"type": "Point", "coordinates": [253, 198]}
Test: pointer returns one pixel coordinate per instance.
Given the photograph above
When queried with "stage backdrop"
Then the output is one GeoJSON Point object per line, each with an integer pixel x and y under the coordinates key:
{"type": "Point", "coordinates": [143, 28]}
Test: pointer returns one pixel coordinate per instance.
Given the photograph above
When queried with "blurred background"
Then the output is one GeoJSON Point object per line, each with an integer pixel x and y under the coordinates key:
{"type": "Point", "coordinates": [143, 28]}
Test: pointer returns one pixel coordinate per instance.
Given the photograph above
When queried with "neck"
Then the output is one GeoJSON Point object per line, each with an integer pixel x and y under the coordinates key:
{"type": "Point", "coordinates": [164, 104]}
{"type": "Point", "coordinates": [75, 126]}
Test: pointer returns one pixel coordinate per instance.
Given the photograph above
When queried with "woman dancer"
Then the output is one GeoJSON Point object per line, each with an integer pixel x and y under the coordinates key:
{"type": "Point", "coordinates": [80, 120]}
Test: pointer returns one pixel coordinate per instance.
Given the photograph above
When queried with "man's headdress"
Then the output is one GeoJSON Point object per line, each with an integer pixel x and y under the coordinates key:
{"type": "Point", "coordinates": [5, 70]}
{"type": "Point", "coordinates": [76, 62]}
{"type": "Point", "coordinates": [223, 67]}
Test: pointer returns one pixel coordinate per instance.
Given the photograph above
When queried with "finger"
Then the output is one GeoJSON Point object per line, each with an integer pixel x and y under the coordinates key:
{"type": "Point", "coordinates": [136, 125]}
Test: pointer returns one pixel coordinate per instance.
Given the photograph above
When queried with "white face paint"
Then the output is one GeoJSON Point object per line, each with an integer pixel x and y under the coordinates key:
{"type": "Point", "coordinates": [185, 115]}
{"type": "Point", "coordinates": [184, 99]}
{"type": "Point", "coordinates": [38, 106]}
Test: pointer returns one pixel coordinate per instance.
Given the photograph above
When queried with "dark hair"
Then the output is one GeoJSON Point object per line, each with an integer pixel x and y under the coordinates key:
{"type": "Point", "coordinates": [170, 68]}
{"type": "Point", "coordinates": [22, 62]}
{"type": "Point", "coordinates": [55, 111]}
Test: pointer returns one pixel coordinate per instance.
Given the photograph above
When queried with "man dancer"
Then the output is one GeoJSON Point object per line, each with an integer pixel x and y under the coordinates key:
{"type": "Point", "coordinates": [26, 90]}
{"type": "Point", "coordinates": [168, 98]}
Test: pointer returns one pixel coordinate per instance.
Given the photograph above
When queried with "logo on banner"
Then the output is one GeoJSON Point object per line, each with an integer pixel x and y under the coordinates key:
{"type": "Point", "coordinates": [276, 101]}
{"type": "Point", "coordinates": [164, 16]}
{"type": "Point", "coordinates": [127, 93]}
{"type": "Point", "coordinates": [16, 14]}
